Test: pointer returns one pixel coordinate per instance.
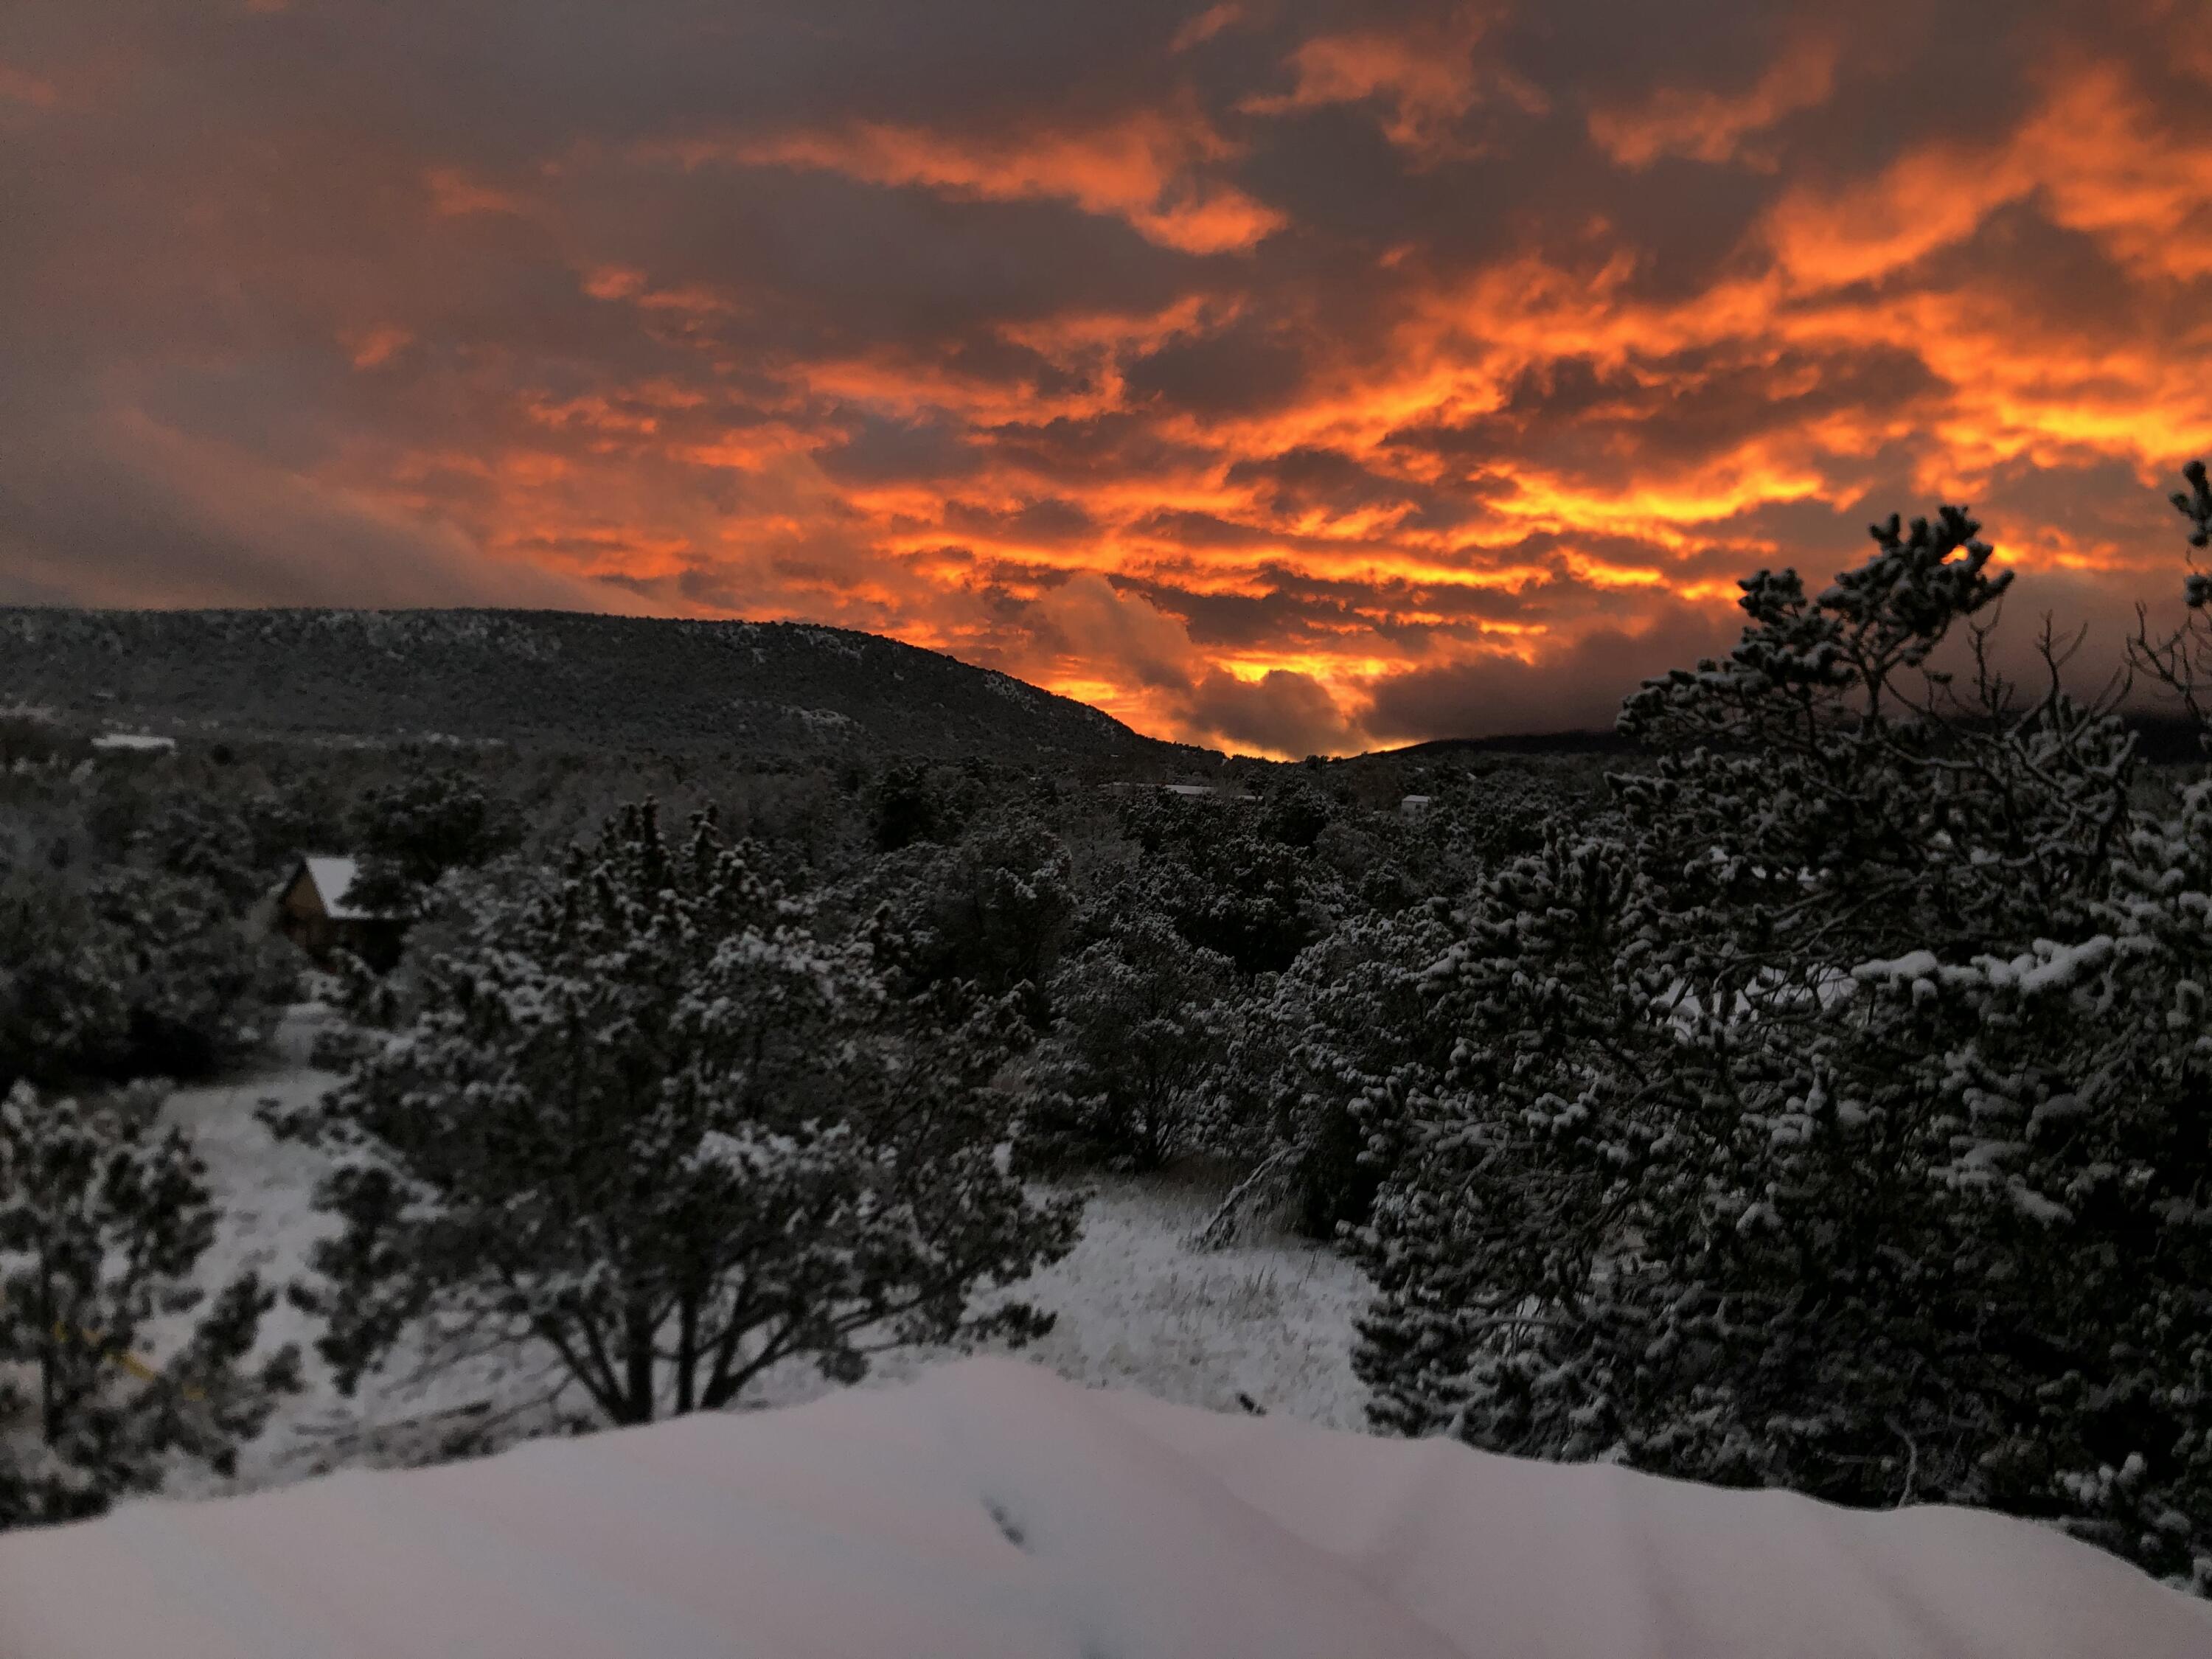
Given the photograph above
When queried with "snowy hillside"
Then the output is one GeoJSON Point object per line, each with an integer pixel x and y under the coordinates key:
{"type": "Point", "coordinates": [539, 676]}
{"type": "Point", "coordinates": [990, 1509]}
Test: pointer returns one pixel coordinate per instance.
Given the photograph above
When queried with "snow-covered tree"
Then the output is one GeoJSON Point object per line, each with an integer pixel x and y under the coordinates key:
{"type": "Point", "coordinates": [650, 1124]}
{"type": "Point", "coordinates": [1314, 1049]}
{"type": "Point", "coordinates": [2180, 659]}
{"type": "Point", "coordinates": [1216, 872]}
{"type": "Point", "coordinates": [1510, 1169]}
{"type": "Point", "coordinates": [103, 1223]}
{"type": "Point", "coordinates": [917, 802]}
{"type": "Point", "coordinates": [1843, 1124]}
{"type": "Point", "coordinates": [299, 814]}
{"type": "Point", "coordinates": [138, 972]}
{"type": "Point", "coordinates": [410, 833]}
{"type": "Point", "coordinates": [204, 842]}
{"type": "Point", "coordinates": [199, 984]}
{"type": "Point", "coordinates": [1130, 1076]}
{"type": "Point", "coordinates": [63, 1011]}
{"type": "Point", "coordinates": [992, 911]}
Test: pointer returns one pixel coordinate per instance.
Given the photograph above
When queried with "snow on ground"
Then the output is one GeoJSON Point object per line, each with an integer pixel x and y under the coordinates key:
{"type": "Point", "coordinates": [991, 1511]}
{"type": "Point", "coordinates": [1138, 1304]}
{"type": "Point", "coordinates": [264, 1191]}
{"type": "Point", "coordinates": [989, 1508]}
{"type": "Point", "coordinates": [1141, 1307]}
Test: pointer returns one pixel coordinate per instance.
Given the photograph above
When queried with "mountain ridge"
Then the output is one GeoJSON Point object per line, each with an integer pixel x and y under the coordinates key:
{"type": "Point", "coordinates": [542, 677]}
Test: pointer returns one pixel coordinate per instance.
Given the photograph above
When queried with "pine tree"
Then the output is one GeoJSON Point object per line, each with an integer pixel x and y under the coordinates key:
{"type": "Point", "coordinates": [1512, 1166]}
{"type": "Point", "coordinates": [1845, 1125]}
{"type": "Point", "coordinates": [992, 912]}
{"type": "Point", "coordinates": [1313, 1052]}
{"type": "Point", "coordinates": [1131, 1076]}
{"type": "Point", "coordinates": [651, 1125]}
{"type": "Point", "coordinates": [411, 834]}
{"type": "Point", "coordinates": [102, 1225]}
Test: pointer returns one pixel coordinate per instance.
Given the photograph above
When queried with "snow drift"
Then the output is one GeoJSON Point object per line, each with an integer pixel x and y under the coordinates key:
{"type": "Point", "coordinates": [990, 1509]}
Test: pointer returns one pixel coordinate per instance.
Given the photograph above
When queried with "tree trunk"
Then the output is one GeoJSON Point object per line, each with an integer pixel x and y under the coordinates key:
{"type": "Point", "coordinates": [687, 1350]}
{"type": "Point", "coordinates": [50, 1337]}
{"type": "Point", "coordinates": [637, 1383]}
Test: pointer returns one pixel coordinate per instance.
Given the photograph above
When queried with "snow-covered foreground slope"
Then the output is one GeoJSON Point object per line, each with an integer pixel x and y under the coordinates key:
{"type": "Point", "coordinates": [991, 1508]}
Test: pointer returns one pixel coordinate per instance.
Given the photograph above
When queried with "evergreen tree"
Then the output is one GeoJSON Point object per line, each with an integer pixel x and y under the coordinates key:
{"type": "Point", "coordinates": [1314, 1051]}
{"type": "Point", "coordinates": [136, 973]}
{"type": "Point", "coordinates": [1844, 1125]}
{"type": "Point", "coordinates": [992, 912]}
{"type": "Point", "coordinates": [102, 1226]}
{"type": "Point", "coordinates": [411, 833]}
{"type": "Point", "coordinates": [651, 1124]}
{"type": "Point", "coordinates": [1131, 1075]}
{"type": "Point", "coordinates": [1226, 885]}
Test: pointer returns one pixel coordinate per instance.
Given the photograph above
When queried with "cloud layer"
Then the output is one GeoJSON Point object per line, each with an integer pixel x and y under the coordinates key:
{"type": "Point", "coordinates": [1279, 375]}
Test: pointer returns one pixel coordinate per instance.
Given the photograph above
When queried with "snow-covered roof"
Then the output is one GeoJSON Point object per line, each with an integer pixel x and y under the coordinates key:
{"type": "Point", "coordinates": [334, 877]}
{"type": "Point", "coordinates": [990, 1509]}
{"type": "Point", "coordinates": [133, 740]}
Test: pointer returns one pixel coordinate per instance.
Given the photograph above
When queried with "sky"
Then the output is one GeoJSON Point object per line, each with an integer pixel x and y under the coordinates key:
{"type": "Point", "coordinates": [1285, 377]}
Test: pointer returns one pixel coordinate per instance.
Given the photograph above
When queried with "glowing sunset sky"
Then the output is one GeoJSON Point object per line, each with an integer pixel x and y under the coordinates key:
{"type": "Point", "coordinates": [1278, 376]}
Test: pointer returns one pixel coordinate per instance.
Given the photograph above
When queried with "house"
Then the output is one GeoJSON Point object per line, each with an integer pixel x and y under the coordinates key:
{"type": "Point", "coordinates": [1413, 805]}
{"type": "Point", "coordinates": [317, 912]}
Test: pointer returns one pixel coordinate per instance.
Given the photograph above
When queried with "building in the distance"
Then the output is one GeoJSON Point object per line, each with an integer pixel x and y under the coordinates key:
{"type": "Point", "coordinates": [1209, 791]}
{"type": "Point", "coordinates": [317, 911]}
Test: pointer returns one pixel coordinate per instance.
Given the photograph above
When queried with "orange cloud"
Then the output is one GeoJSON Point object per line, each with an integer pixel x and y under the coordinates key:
{"type": "Point", "coordinates": [21, 87]}
{"type": "Point", "coordinates": [368, 348]}
{"type": "Point", "coordinates": [1147, 168]}
{"type": "Point", "coordinates": [454, 195]}
{"type": "Point", "coordinates": [2100, 160]}
{"type": "Point", "coordinates": [1712, 126]}
{"type": "Point", "coordinates": [1426, 76]}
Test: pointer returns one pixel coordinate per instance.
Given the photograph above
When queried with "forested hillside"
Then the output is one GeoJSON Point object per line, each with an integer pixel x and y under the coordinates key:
{"type": "Point", "coordinates": [540, 677]}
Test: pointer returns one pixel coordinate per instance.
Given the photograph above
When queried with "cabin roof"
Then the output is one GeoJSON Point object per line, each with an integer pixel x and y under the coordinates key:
{"type": "Point", "coordinates": [333, 878]}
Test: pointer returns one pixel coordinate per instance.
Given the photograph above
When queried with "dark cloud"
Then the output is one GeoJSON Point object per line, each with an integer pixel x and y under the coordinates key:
{"type": "Point", "coordinates": [1243, 370]}
{"type": "Point", "coordinates": [1194, 530]}
{"type": "Point", "coordinates": [877, 449]}
{"type": "Point", "coordinates": [1577, 690]}
{"type": "Point", "coordinates": [1050, 522]}
{"type": "Point", "coordinates": [1307, 477]}
{"type": "Point", "coordinates": [1283, 711]}
{"type": "Point", "coordinates": [147, 516]}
